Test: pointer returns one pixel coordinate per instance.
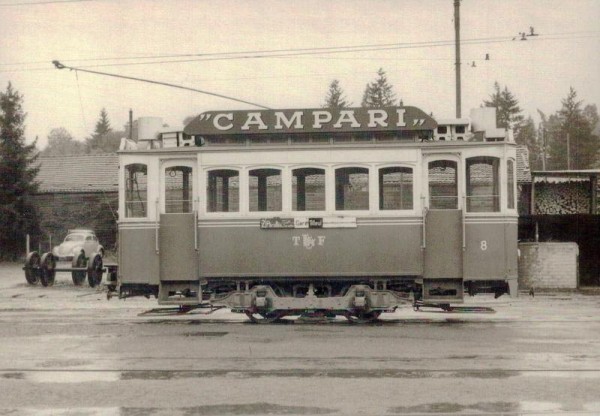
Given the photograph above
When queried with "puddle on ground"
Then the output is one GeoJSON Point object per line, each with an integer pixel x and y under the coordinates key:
{"type": "Point", "coordinates": [205, 334]}
{"type": "Point", "coordinates": [578, 374]}
{"type": "Point", "coordinates": [71, 411]}
{"type": "Point", "coordinates": [83, 376]}
{"type": "Point", "coordinates": [544, 407]}
{"type": "Point", "coordinates": [513, 408]}
{"type": "Point", "coordinates": [72, 376]}
{"type": "Point", "coordinates": [447, 407]}
{"type": "Point", "coordinates": [63, 363]}
{"type": "Point", "coordinates": [13, 376]}
{"type": "Point", "coordinates": [216, 409]}
{"type": "Point", "coordinates": [233, 409]}
{"type": "Point", "coordinates": [320, 373]}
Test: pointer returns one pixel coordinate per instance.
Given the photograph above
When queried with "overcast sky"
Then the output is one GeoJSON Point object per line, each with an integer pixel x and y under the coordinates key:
{"type": "Point", "coordinates": [141, 36]}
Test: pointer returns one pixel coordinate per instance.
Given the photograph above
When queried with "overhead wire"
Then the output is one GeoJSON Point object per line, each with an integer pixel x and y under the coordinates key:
{"type": "Point", "coordinates": [23, 3]}
{"type": "Point", "coordinates": [292, 52]}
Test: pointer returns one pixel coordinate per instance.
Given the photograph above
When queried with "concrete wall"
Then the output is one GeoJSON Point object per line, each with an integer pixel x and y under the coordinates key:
{"type": "Point", "coordinates": [548, 265]}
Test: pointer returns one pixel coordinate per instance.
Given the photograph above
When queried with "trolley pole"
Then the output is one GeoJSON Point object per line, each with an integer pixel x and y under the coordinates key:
{"type": "Point", "coordinates": [457, 53]}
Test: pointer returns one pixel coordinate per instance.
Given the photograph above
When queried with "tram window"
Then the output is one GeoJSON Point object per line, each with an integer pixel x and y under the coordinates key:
{"type": "Point", "coordinates": [265, 190]}
{"type": "Point", "coordinates": [320, 138]}
{"type": "Point", "coordinates": [395, 188]}
{"type": "Point", "coordinates": [222, 191]}
{"type": "Point", "coordinates": [136, 190]}
{"type": "Point", "coordinates": [178, 190]}
{"type": "Point", "coordinates": [342, 138]}
{"type": "Point", "coordinates": [510, 183]}
{"type": "Point", "coordinates": [443, 184]}
{"type": "Point", "coordinates": [362, 137]}
{"type": "Point", "coordinates": [308, 189]}
{"type": "Point", "coordinates": [386, 136]}
{"type": "Point", "coordinates": [351, 188]}
{"type": "Point", "coordinates": [300, 139]}
{"type": "Point", "coordinates": [483, 191]}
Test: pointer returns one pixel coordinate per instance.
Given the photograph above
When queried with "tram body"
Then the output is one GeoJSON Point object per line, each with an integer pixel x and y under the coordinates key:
{"type": "Point", "coordinates": [346, 212]}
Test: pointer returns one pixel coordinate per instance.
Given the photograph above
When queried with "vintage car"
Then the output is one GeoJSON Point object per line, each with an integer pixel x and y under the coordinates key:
{"type": "Point", "coordinates": [76, 241]}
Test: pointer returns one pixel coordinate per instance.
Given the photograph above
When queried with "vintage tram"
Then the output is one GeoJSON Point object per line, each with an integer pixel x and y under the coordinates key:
{"type": "Point", "coordinates": [335, 211]}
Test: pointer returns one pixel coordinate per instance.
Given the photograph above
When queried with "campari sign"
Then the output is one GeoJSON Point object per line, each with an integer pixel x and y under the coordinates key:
{"type": "Point", "coordinates": [310, 121]}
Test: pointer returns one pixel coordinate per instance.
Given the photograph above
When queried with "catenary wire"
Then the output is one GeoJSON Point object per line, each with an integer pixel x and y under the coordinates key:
{"type": "Point", "coordinates": [34, 3]}
{"type": "Point", "coordinates": [332, 49]}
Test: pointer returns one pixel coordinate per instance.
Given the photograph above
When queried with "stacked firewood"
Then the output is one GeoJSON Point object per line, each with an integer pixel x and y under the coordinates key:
{"type": "Point", "coordinates": [562, 198]}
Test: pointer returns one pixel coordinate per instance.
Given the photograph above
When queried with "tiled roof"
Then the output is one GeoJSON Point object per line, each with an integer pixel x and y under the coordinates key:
{"type": "Point", "coordinates": [88, 173]}
{"type": "Point", "coordinates": [523, 170]}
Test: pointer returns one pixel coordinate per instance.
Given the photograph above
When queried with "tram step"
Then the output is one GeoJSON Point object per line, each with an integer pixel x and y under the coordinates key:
{"type": "Point", "coordinates": [179, 293]}
{"type": "Point", "coordinates": [443, 290]}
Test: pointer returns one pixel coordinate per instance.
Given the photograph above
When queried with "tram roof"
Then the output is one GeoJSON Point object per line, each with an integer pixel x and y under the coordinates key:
{"type": "Point", "coordinates": [312, 120]}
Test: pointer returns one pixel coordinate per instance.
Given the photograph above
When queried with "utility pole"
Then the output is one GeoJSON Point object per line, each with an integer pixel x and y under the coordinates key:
{"type": "Point", "coordinates": [457, 53]}
{"type": "Point", "coordinates": [130, 124]}
{"type": "Point", "coordinates": [568, 152]}
{"type": "Point", "coordinates": [543, 144]}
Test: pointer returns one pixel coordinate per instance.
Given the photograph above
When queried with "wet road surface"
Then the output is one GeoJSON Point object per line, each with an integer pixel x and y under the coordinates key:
{"type": "Point", "coordinates": [67, 350]}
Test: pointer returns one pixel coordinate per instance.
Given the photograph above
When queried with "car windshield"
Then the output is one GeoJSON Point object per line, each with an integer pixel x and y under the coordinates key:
{"type": "Point", "coordinates": [75, 237]}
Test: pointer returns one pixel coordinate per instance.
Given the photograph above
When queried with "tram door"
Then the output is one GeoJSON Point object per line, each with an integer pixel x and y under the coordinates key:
{"type": "Point", "coordinates": [443, 234]}
{"type": "Point", "coordinates": [178, 232]}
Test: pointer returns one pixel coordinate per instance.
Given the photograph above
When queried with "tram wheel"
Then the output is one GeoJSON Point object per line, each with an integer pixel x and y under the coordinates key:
{"type": "Point", "coordinates": [32, 268]}
{"type": "Point", "coordinates": [47, 269]}
{"type": "Point", "coordinates": [264, 317]}
{"type": "Point", "coordinates": [94, 272]}
{"type": "Point", "coordinates": [78, 275]}
{"type": "Point", "coordinates": [363, 317]}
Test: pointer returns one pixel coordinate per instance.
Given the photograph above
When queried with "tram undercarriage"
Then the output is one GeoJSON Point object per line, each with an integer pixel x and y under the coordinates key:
{"type": "Point", "coordinates": [359, 301]}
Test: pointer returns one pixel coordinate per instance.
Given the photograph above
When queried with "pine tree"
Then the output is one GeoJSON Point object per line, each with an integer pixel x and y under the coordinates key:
{"type": "Point", "coordinates": [573, 145]}
{"type": "Point", "coordinates": [508, 112]}
{"type": "Point", "coordinates": [335, 97]}
{"type": "Point", "coordinates": [527, 135]}
{"type": "Point", "coordinates": [102, 141]}
{"type": "Point", "coordinates": [379, 93]}
{"type": "Point", "coordinates": [102, 125]}
{"type": "Point", "coordinates": [17, 177]}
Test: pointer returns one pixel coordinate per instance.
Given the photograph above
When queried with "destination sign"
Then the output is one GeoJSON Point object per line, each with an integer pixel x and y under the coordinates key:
{"type": "Point", "coordinates": [310, 121]}
{"type": "Point", "coordinates": [278, 223]}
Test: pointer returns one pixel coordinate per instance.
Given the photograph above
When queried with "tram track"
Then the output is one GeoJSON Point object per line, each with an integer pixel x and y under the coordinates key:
{"type": "Point", "coordinates": [66, 320]}
{"type": "Point", "coordinates": [104, 381]}
{"type": "Point", "coordinates": [317, 371]}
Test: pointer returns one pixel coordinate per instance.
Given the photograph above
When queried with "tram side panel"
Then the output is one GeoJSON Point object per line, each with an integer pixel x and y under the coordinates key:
{"type": "Point", "coordinates": [365, 251]}
{"type": "Point", "coordinates": [491, 251]}
{"type": "Point", "coordinates": [138, 260]}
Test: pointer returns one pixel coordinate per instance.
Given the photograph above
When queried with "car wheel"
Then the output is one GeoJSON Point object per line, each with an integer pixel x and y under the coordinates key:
{"type": "Point", "coordinates": [47, 269]}
{"type": "Point", "coordinates": [32, 268]}
{"type": "Point", "coordinates": [78, 275]}
{"type": "Point", "coordinates": [94, 272]}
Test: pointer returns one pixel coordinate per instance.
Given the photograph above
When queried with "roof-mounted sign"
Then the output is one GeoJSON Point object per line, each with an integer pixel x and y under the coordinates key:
{"type": "Point", "coordinates": [318, 120]}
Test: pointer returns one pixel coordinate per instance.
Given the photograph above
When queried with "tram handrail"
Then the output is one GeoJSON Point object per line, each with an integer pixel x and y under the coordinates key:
{"type": "Point", "coordinates": [424, 241]}
{"type": "Point", "coordinates": [464, 229]}
{"type": "Point", "coordinates": [156, 228]}
{"type": "Point", "coordinates": [196, 226]}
